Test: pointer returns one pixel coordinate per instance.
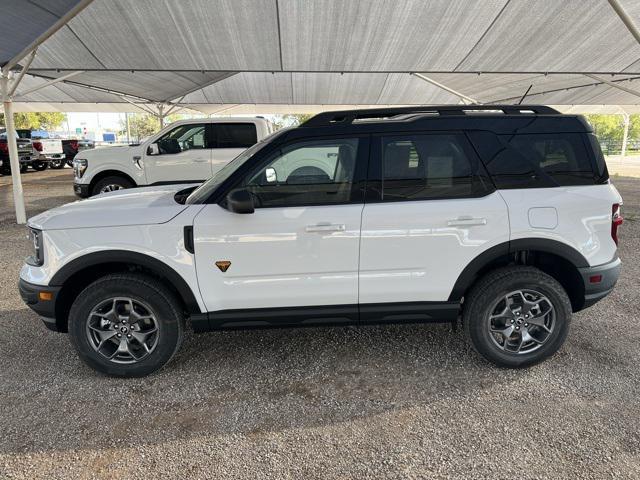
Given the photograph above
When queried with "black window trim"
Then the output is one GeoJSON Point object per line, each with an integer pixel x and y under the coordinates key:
{"type": "Point", "coordinates": [374, 193]}
{"type": "Point", "coordinates": [358, 189]}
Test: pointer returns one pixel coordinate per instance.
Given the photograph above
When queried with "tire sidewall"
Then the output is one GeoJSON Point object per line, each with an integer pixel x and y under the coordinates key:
{"type": "Point", "coordinates": [167, 318]}
{"type": "Point", "coordinates": [481, 337]}
{"type": "Point", "coordinates": [123, 182]}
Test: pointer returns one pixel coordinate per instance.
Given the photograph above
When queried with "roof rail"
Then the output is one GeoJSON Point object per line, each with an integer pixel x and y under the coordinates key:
{"type": "Point", "coordinates": [344, 117]}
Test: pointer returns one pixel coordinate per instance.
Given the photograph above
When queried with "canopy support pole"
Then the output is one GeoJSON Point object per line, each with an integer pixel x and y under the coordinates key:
{"type": "Point", "coordinates": [613, 84]}
{"type": "Point", "coordinates": [626, 19]}
{"type": "Point", "coordinates": [49, 83]}
{"type": "Point", "coordinates": [18, 196]}
{"type": "Point", "coordinates": [461, 96]}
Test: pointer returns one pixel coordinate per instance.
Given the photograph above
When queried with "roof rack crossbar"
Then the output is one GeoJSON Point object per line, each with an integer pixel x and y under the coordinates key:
{"type": "Point", "coordinates": [344, 117]}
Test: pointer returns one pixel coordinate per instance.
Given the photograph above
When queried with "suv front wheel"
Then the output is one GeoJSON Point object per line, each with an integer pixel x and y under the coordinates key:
{"type": "Point", "coordinates": [517, 316]}
{"type": "Point", "coordinates": [126, 325]}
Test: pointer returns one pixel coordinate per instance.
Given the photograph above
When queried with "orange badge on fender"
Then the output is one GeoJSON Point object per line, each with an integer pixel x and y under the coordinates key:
{"type": "Point", "coordinates": [223, 265]}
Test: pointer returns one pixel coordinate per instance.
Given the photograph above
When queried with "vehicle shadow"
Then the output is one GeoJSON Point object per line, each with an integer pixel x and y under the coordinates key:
{"type": "Point", "coordinates": [237, 382]}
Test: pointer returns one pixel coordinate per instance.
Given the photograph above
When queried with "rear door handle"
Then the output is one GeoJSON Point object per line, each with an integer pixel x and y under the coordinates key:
{"type": "Point", "coordinates": [467, 221]}
{"type": "Point", "coordinates": [326, 227]}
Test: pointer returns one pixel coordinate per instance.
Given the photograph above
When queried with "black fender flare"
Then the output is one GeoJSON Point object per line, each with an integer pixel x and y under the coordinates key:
{"type": "Point", "coordinates": [471, 271]}
{"type": "Point", "coordinates": [132, 258]}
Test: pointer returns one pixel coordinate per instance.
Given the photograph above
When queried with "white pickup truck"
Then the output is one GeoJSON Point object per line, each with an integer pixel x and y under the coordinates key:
{"type": "Point", "coordinates": [183, 152]}
{"type": "Point", "coordinates": [45, 149]}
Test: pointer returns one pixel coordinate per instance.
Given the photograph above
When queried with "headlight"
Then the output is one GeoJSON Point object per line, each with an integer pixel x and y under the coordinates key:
{"type": "Point", "coordinates": [79, 166]}
{"type": "Point", "coordinates": [35, 237]}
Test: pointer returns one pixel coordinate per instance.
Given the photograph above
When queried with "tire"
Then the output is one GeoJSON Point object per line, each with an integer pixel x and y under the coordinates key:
{"type": "Point", "coordinates": [24, 168]}
{"type": "Point", "coordinates": [57, 164]}
{"type": "Point", "coordinates": [69, 162]}
{"type": "Point", "coordinates": [39, 166]}
{"type": "Point", "coordinates": [489, 297]}
{"type": "Point", "coordinates": [90, 321]}
{"type": "Point", "coordinates": [110, 184]}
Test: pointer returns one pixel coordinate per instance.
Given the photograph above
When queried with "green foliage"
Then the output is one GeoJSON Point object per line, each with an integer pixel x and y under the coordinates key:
{"type": "Point", "coordinates": [610, 129]}
{"type": "Point", "coordinates": [290, 119]}
{"type": "Point", "coordinates": [37, 120]}
{"type": "Point", "coordinates": [142, 125]}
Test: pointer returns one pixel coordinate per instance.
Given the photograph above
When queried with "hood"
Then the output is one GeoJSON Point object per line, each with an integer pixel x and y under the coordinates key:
{"type": "Point", "coordinates": [108, 152]}
{"type": "Point", "coordinates": [136, 206]}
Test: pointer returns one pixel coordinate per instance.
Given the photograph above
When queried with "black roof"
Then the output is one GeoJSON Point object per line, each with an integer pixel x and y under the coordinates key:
{"type": "Point", "coordinates": [500, 119]}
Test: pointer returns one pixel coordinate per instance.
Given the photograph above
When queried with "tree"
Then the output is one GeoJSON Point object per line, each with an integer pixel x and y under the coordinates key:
{"type": "Point", "coordinates": [609, 130]}
{"type": "Point", "coordinates": [37, 120]}
{"type": "Point", "coordinates": [142, 125]}
{"type": "Point", "coordinates": [290, 119]}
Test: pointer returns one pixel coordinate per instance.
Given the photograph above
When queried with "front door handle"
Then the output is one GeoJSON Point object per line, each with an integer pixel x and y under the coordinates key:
{"type": "Point", "coordinates": [326, 227]}
{"type": "Point", "coordinates": [467, 221]}
{"type": "Point", "coordinates": [200, 161]}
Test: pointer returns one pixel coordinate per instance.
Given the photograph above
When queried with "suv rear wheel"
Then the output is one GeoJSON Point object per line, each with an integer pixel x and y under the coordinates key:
{"type": "Point", "coordinates": [39, 166]}
{"type": "Point", "coordinates": [111, 184]}
{"type": "Point", "coordinates": [126, 325]}
{"type": "Point", "coordinates": [517, 316]}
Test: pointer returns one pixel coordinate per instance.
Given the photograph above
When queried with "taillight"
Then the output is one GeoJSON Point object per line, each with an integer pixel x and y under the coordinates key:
{"type": "Point", "coordinates": [616, 221]}
{"type": "Point", "coordinates": [4, 147]}
{"type": "Point", "coordinates": [74, 144]}
{"type": "Point", "coordinates": [37, 146]}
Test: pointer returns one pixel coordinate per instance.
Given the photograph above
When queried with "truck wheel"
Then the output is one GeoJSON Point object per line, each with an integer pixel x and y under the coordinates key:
{"type": "Point", "coordinates": [517, 316]}
{"type": "Point", "coordinates": [57, 164]}
{"type": "Point", "coordinates": [24, 167]}
{"type": "Point", "coordinates": [111, 184]}
{"type": "Point", "coordinates": [126, 325]}
{"type": "Point", "coordinates": [39, 166]}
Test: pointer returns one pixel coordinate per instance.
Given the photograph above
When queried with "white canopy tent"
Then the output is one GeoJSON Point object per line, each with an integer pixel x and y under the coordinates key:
{"type": "Point", "coordinates": [272, 56]}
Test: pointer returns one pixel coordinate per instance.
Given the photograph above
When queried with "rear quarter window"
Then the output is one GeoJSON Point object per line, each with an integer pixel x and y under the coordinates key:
{"type": "Point", "coordinates": [542, 160]}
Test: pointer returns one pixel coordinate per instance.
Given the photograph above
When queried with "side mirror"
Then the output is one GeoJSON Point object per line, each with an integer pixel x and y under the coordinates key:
{"type": "Point", "coordinates": [270, 175]}
{"type": "Point", "coordinates": [153, 149]}
{"type": "Point", "coordinates": [240, 201]}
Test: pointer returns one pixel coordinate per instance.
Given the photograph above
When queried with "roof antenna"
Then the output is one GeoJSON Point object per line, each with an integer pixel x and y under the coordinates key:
{"type": "Point", "coordinates": [525, 94]}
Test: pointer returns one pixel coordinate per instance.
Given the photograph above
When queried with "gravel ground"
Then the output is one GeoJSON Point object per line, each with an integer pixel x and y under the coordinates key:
{"type": "Point", "coordinates": [378, 402]}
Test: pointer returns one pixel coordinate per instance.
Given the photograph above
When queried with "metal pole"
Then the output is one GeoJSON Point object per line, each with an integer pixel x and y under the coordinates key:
{"type": "Point", "coordinates": [626, 19]}
{"type": "Point", "coordinates": [161, 116]}
{"type": "Point", "coordinates": [18, 195]}
{"type": "Point", "coordinates": [625, 134]}
{"type": "Point", "coordinates": [462, 96]}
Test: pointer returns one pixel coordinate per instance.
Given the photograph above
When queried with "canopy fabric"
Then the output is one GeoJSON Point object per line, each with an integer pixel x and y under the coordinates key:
{"type": "Point", "coordinates": [223, 55]}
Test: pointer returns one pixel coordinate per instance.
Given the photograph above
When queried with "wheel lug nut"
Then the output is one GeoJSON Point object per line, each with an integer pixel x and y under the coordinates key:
{"type": "Point", "coordinates": [119, 335]}
{"type": "Point", "coordinates": [526, 324]}
{"type": "Point", "coordinates": [512, 321]}
{"type": "Point", "coordinates": [129, 336]}
{"type": "Point", "coordinates": [517, 328]}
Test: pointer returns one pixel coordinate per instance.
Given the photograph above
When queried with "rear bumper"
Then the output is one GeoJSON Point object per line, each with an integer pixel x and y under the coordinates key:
{"type": "Point", "coordinates": [30, 294]}
{"type": "Point", "coordinates": [81, 189]}
{"type": "Point", "coordinates": [599, 281]}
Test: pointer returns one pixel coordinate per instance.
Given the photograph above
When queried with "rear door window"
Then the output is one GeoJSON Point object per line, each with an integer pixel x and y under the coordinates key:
{"type": "Point", "coordinates": [234, 135]}
{"type": "Point", "coordinates": [431, 166]}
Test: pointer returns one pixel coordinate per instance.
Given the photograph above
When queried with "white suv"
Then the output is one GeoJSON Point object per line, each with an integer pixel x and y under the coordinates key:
{"type": "Point", "coordinates": [505, 218]}
{"type": "Point", "coordinates": [188, 151]}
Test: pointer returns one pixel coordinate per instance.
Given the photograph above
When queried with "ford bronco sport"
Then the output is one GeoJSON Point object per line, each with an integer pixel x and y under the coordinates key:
{"type": "Point", "coordinates": [501, 216]}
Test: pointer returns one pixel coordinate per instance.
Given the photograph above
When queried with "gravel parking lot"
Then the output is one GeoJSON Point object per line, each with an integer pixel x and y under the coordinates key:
{"type": "Point", "coordinates": [377, 402]}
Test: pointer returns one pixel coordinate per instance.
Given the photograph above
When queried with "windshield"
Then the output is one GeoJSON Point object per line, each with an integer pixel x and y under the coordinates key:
{"type": "Point", "coordinates": [206, 189]}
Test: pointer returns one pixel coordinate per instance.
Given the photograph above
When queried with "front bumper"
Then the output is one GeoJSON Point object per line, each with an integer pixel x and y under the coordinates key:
{"type": "Point", "coordinates": [599, 281]}
{"type": "Point", "coordinates": [30, 294]}
{"type": "Point", "coordinates": [81, 189]}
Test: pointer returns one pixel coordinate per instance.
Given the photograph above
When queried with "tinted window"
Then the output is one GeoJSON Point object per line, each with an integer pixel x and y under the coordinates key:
{"type": "Point", "coordinates": [316, 172]}
{"type": "Point", "coordinates": [234, 135]}
{"type": "Point", "coordinates": [540, 160]}
{"type": "Point", "coordinates": [420, 167]}
{"type": "Point", "coordinates": [181, 138]}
